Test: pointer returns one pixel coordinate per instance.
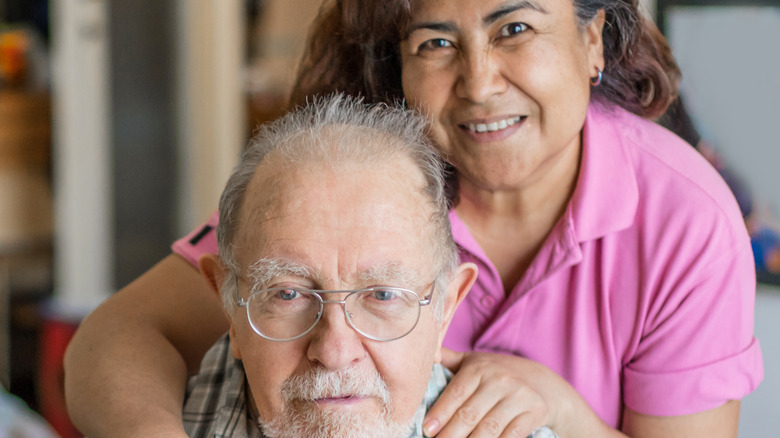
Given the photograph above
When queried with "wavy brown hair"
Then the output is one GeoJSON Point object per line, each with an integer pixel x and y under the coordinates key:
{"type": "Point", "coordinates": [353, 47]}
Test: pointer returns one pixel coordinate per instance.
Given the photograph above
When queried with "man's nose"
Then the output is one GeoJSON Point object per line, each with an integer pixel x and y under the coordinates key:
{"type": "Point", "coordinates": [480, 76]}
{"type": "Point", "coordinates": [334, 343]}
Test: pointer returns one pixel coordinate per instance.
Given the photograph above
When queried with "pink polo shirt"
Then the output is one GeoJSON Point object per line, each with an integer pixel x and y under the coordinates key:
{"type": "Point", "coordinates": [642, 294]}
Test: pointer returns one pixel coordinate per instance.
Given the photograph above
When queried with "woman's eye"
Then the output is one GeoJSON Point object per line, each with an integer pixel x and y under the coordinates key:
{"type": "Point", "coordinates": [436, 43]}
{"type": "Point", "coordinates": [513, 29]}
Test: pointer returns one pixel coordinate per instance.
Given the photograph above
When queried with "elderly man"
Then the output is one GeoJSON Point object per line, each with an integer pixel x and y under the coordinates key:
{"type": "Point", "coordinates": [339, 277]}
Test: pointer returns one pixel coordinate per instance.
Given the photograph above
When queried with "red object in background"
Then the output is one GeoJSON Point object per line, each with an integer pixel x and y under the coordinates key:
{"type": "Point", "coordinates": [13, 53]}
{"type": "Point", "coordinates": [55, 336]}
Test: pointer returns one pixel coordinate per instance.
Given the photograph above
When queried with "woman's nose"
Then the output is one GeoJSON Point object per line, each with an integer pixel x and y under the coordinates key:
{"type": "Point", "coordinates": [480, 76]}
{"type": "Point", "coordinates": [334, 343]}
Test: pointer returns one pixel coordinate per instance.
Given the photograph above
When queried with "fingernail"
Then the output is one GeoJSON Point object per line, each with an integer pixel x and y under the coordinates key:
{"type": "Point", "coordinates": [430, 427]}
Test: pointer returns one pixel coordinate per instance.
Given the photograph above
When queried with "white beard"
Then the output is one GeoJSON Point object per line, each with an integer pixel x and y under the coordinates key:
{"type": "Point", "coordinates": [301, 417]}
{"type": "Point", "coordinates": [315, 424]}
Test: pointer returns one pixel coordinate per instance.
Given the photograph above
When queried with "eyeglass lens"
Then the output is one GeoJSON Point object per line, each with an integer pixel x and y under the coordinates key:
{"type": "Point", "coordinates": [380, 313]}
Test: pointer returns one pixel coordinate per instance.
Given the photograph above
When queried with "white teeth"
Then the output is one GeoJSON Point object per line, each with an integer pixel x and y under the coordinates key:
{"type": "Point", "coordinates": [493, 127]}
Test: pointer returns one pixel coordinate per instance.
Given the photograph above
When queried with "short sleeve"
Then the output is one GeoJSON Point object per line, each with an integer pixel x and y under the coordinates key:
{"type": "Point", "coordinates": [202, 240]}
{"type": "Point", "coordinates": [697, 350]}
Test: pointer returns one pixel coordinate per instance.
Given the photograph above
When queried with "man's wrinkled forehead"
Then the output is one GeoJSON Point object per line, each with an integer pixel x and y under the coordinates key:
{"type": "Point", "coordinates": [280, 190]}
{"type": "Point", "coordinates": [265, 271]}
{"type": "Point", "coordinates": [276, 177]}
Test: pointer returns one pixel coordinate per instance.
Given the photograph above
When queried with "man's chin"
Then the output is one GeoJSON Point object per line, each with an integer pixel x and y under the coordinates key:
{"type": "Point", "coordinates": [368, 405]}
{"type": "Point", "coordinates": [331, 419]}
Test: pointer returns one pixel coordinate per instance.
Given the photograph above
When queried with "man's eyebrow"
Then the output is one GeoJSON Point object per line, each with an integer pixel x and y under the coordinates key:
{"type": "Point", "coordinates": [391, 274]}
{"type": "Point", "coordinates": [450, 27]}
{"type": "Point", "coordinates": [266, 269]}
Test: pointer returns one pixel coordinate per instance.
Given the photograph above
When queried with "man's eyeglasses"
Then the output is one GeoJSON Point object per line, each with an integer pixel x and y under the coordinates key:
{"type": "Point", "coordinates": [378, 313]}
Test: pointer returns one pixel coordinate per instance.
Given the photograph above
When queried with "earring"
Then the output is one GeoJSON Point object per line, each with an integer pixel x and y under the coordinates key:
{"type": "Point", "coordinates": [596, 81]}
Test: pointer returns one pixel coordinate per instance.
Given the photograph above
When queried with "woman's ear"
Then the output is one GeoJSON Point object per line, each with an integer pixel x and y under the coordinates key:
{"type": "Point", "coordinates": [456, 291]}
{"type": "Point", "coordinates": [594, 41]}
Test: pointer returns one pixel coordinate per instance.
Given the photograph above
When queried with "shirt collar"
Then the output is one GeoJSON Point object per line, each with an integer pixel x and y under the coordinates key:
{"type": "Point", "coordinates": [606, 196]}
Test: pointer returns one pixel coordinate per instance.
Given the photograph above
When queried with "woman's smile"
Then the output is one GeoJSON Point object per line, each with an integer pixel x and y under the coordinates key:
{"type": "Point", "coordinates": [495, 130]}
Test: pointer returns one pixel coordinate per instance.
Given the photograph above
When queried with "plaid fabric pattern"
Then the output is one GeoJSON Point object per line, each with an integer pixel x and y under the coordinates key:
{"type": "Point", "coordinates": [215, 404]}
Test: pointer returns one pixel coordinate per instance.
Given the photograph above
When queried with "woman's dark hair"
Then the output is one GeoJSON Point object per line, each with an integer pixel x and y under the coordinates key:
{"type": "Point", "coordinates": [640, 73]}
{"type": "Point", "coordinates": [353, 47]}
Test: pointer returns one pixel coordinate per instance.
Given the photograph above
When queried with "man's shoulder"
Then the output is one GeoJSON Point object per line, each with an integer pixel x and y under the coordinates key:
{"type": "Point", "coordinates": [216, 396]}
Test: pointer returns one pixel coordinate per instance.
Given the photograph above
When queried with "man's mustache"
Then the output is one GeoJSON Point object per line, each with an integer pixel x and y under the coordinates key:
{"type": "Point", "coordinates": [318, 383]}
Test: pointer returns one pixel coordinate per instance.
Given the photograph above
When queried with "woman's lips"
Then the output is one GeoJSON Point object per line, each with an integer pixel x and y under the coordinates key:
{"type": "Point", "coordinates": [494, 130]}
{"type": "Point", "coordinates": [493, 126]}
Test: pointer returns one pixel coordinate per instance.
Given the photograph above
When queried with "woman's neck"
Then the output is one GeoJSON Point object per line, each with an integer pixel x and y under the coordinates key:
{"type": "Point", "coordinates": [511, 225]}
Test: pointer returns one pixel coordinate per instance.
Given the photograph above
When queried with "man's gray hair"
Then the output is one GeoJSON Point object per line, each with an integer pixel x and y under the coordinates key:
{"type": "Point", "coordinates": [341, 129]}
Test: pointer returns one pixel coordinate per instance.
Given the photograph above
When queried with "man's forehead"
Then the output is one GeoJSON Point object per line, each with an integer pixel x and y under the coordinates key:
{"type": "Point", "coordinates": [345, 193]}
{"type": "Point", "coordinates": [363, 153]}
{"type": "Point", "coordinates": [267, 269]}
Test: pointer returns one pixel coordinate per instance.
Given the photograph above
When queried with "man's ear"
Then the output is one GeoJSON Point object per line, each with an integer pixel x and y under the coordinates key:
{"type": "Point", "coordinates": [456, 291]}
{"type": "Point", "coordinates": [214, 271]}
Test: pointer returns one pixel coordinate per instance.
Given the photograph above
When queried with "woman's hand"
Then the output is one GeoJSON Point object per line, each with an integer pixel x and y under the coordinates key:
{"type": "Point", "coordinates": [490, 395]}
{"type": "Point", "coordinates": [494, 395]}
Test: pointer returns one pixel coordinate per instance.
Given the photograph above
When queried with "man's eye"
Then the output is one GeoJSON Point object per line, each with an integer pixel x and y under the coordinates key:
{"type": "Point", "coordinates": [288, 294]}
{"type": "Point", "coordinates": [513, 29]}
{"type": "Point", "coordinates": [384, 294]}
{"type": "Point", "coordinates": [436, 43]}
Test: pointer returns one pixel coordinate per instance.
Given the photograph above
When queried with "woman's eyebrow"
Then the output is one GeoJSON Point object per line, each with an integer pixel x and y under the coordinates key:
{"type": "Point", "coordinates": [438, 26]}
{"type": "Point", "coordinates": [450, 27]}
{"type": "Point", "coordinates": [512, 7]}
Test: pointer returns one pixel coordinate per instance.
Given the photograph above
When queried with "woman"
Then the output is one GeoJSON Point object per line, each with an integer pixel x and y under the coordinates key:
{"type": "Point", "coordinates": [615, 271]}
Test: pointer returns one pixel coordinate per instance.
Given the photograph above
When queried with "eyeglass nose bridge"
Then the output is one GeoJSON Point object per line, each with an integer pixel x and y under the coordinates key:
{"type": "Point", "coordinates": [347, 315]}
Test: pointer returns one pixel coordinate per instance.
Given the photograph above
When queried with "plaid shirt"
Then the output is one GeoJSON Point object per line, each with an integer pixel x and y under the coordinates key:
{"type": "Point", "coordinates": [215, 404]}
